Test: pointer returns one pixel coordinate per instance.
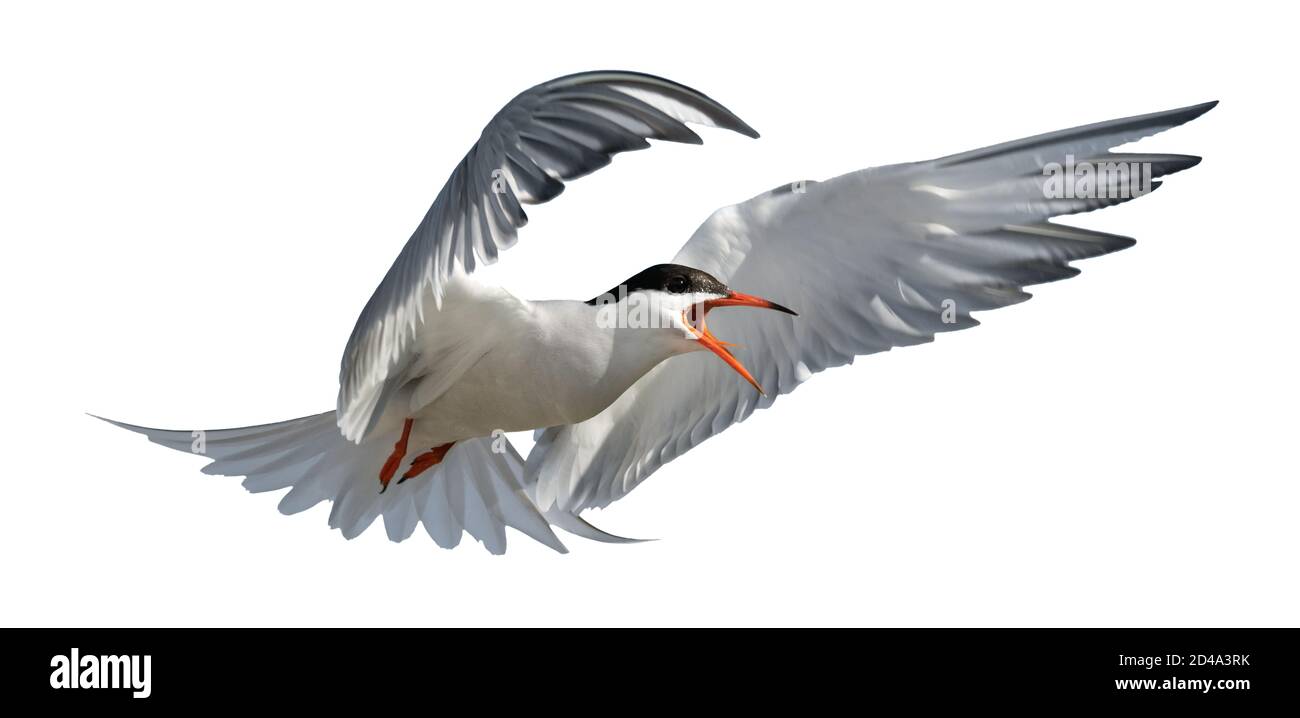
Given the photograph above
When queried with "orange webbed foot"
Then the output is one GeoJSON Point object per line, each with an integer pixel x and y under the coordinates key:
{"type": "Point", "coordinates": [395, 458]}
{"type": "Point", "coordinates": [424, 461]}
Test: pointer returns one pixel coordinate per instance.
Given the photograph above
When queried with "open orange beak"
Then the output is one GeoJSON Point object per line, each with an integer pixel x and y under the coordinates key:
{"type": "Point", "coordinates": [717, 346]}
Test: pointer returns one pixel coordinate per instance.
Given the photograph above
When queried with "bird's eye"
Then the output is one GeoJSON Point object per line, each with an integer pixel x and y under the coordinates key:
{"type": "Point", "coordinates": [676, 285]}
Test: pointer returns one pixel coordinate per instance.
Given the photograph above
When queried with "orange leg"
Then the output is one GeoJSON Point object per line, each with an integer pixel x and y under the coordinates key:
{"type": "Point", "coordinates": [395, 458]}
{"type": "Point", "coordinates": [421, 463]}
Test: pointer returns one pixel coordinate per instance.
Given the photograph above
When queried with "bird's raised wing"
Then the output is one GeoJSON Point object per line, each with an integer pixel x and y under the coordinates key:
{"type": "Point", "coordinates": [556, 131]}
{"type": "Point", "coordinates": [871, 260]}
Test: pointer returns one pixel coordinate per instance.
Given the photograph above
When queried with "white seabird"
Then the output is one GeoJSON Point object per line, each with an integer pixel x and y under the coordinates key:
{"type": "Point", "coordinates": [441, 363]}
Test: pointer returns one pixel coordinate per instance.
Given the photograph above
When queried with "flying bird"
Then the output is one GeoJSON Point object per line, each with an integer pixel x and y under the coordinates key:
{"type": "Point", "coordinates": [803, 278]}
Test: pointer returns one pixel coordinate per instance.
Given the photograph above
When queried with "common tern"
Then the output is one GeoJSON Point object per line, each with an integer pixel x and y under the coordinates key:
{"type": "Point", "coordinates": [442, 363]}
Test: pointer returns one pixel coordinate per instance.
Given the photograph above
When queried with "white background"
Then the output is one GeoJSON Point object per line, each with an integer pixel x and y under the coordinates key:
{"type": "Point", "coordinates": [197, 201]}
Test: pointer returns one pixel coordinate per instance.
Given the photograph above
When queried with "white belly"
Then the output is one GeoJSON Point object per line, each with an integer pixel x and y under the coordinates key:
{"type": "Point", "coordinates": [553, 367]}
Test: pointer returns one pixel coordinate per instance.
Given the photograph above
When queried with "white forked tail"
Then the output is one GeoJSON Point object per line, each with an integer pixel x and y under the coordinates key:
{"type": "Point", "coordinates": [475, 488]}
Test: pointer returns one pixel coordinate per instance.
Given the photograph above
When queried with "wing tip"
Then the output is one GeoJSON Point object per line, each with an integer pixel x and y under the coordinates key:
{"type": "Point", "coordinates": [744, 128]}
{"type": "Point", "coordinates": [578, 526]}
{"type": "Point", "coordinates": [717, 113]}
{"type": "Point", "coordinates": [1176, 116]}
{"type": "Point", "coordinates": [1183, 115]}
{"type": "Point", "coordinates": [144, 430]}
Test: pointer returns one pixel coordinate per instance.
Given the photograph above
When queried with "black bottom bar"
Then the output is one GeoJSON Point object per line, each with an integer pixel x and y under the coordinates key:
{"type": "Point", "coordinates": [443, 668]}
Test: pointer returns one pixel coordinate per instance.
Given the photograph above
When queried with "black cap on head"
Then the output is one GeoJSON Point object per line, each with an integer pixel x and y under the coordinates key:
{"type": "Point", "coordinates": [671, 278]}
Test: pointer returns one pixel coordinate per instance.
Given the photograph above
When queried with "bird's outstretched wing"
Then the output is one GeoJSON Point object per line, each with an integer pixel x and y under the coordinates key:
{"type": "Point", "coordinates": [556, 131]}
{"type": "Point", "coordinates": [871, 260]}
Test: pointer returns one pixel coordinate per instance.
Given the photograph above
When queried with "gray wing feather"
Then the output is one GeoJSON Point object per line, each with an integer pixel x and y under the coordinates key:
{"type": "Point", "coordinates": [869, 260]}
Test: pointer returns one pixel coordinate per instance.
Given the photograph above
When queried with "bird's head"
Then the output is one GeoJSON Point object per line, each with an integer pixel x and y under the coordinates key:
{"type": "Point", "coordinates": [673, 300]}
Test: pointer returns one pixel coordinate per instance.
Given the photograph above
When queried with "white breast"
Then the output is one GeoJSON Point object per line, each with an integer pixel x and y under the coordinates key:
{"type": "Point", "coordinates": [549, 363]}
